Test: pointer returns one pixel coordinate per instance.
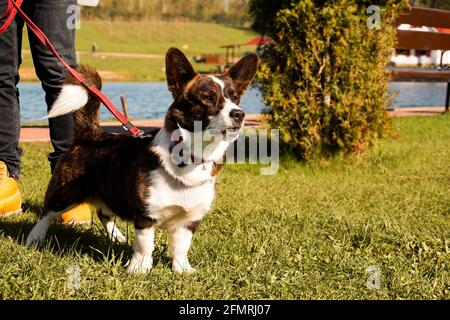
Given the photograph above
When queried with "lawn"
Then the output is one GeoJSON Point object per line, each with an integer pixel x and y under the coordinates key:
{"type": "Point", "coordinates": [157, 36]}
{"type": "Point", "coordinates": [146, 37]}
{"type": "Point", "coordinates": [309, 232]}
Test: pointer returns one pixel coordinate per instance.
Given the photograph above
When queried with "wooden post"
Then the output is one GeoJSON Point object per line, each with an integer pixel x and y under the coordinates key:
{"type": "Point", "coordinates": [226, 59]}
{"type": "Point", "coordinates": [447, 97]}
{"type": "Point", "coordinates": [123, 99]}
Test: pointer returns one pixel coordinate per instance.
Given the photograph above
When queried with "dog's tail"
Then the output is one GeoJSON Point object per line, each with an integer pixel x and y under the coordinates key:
{"type": "Point", "coordinates": [75, 98]}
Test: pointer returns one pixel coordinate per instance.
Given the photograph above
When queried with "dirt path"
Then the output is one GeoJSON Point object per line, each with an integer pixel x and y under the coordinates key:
{"type": "Point", "coordinates": [28, 74]}
{"type": "Point", "coordinates": [417, 111]}
{"type": "Point", "coordinates": [115, 54]}
{"type": "Point", "coordinates": [124, 55]}
{"type": "Point", "coordinates": [29, 134]}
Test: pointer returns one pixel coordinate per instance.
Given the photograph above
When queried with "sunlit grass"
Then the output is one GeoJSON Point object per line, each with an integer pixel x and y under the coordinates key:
{"type": "Point", "coordinates": [309, 232]}
{"type": "Point", "coordinates": [147, 37]}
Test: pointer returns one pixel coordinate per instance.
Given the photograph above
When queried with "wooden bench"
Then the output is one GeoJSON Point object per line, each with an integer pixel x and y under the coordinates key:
{"type": "Point", "coordinates": [423, 40]}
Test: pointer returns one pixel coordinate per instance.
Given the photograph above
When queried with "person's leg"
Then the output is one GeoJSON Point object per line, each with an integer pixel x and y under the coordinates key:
{"type": "Point", "coordinates": [52, 16]}
{"type": "Point", "coordinates": [10, 198]}
{"type": "Point", "coordinates": [9, 102]}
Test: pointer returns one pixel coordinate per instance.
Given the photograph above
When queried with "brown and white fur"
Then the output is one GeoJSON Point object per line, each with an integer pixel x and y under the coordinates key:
{"type": "Point", "coordinates": [135, 178]}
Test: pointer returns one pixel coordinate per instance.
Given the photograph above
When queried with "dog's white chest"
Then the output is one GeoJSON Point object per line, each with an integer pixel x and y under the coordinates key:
{"type": "Point", "coordinates": [172, 204]}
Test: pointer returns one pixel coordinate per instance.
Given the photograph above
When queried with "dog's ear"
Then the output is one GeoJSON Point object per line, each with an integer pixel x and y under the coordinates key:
{"type": "Point", "coordinates": [179, 71]}
{"type": "Point", "coordinates": [243, 72]}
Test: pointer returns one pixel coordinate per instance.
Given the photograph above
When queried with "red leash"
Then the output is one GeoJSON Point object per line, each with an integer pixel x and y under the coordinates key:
{"type": "Point", "coordinates": [13, 9]}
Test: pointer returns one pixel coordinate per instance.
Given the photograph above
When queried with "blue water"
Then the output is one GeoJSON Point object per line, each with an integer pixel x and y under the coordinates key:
{"type": "Point", "coordinates": [150, 100]}
{"type": "Point", "coordinates": [146, 100]}
{"type": "Point", "coordinates": [418, 94]}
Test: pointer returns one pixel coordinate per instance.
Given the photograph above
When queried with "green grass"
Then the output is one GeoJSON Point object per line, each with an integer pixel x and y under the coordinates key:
{"type": "Point", "coordinates": [150, 37]}
{"type": "Point", "coordinates": [309, 232]}
{"type": "Point", "coordinates": [157, 36]}
{"type": "Point", "coordinates": [130, 69]}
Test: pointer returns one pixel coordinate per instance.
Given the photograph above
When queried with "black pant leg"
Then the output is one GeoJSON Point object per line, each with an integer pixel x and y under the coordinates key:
{"type": "Point", "coordinates": [54, 17]}
{"type": "Point", "coordinates": [10, 151]}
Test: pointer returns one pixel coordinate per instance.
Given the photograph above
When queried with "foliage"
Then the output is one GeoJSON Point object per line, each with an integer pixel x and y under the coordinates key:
{"type": "Point", "coordinates": [264, 13]}
{"type": "Point", "coordinates": [325, 74]}
{"type": "Point", "coordinates": [223, 11]}
{"type": "Point", "coordinates": [438, 4]}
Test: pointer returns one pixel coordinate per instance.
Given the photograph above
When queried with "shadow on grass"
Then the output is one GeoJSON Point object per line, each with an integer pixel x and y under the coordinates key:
{"type": "Point", "coordinates": [78, 240]}
{"type": "Point", "coordinates": [32, 207]}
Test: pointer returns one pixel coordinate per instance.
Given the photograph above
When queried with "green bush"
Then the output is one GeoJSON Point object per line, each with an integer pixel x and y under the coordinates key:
{"type": "Point", "coordinates": [325, 75]}
{"type": "Point", "coordinates": [230, 11]}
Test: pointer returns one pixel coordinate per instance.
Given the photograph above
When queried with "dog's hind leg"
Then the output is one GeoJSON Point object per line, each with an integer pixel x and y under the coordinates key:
{"type": "Point", "coordinates": [39, 232]}
{"type": "Point", "coordinates": [109, 223]}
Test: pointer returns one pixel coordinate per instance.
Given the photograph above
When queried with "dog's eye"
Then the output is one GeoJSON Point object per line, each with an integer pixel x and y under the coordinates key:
{"type": "Point", "coordinates": [209, 97]}
{"type": "Point", "coordinates": [233, 95]}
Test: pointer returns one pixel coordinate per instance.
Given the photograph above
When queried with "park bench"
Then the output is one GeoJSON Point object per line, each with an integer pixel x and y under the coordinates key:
{"type": "Point", "coordinates": [423, 40]}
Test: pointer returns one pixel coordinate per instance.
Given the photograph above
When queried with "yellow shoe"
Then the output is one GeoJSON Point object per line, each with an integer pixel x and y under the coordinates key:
{"type": "Point", "coordinates": [10, 199]}
{"type": "Point", "coordinates": [81, 214]}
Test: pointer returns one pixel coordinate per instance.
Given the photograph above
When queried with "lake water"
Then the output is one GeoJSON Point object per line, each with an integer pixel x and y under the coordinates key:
{"type": "Point", "coordinates": [150, 100]}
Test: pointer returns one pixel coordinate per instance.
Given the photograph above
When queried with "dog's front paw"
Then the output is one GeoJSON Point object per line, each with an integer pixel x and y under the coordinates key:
{"type": "Point", "coordinates": [35, 241]}
{"type": "Point", "coordinates": [120, 238]}
{"type": "Point", "coordinates": [182, 266]}
{"type": "Point", "coordinates": [140, 264]}
{"type": "Point", "coordinates": [117, 237]}
{"type": "Point", "coordinates": [36, 238]}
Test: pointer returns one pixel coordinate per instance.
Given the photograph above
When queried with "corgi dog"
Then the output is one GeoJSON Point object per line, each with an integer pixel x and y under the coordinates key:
{"type": "Point", "coordinates": [154, 182]}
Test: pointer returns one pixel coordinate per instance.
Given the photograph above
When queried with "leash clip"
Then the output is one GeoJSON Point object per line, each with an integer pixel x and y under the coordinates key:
{"type": "Point", "coordinates": [143, 135]}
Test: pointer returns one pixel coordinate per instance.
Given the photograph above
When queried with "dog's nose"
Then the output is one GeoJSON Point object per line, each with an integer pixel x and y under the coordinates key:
{"type": "Point", "coordinates": [237, 115]}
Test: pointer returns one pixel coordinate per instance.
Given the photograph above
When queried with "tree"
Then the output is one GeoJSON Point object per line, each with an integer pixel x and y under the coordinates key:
{"type": "Point", "coordinates": [229, 11]}
{"type": "Point", "coordinates": [264, 13]}
{"type": "Point", "coordinates": [325, 75]}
